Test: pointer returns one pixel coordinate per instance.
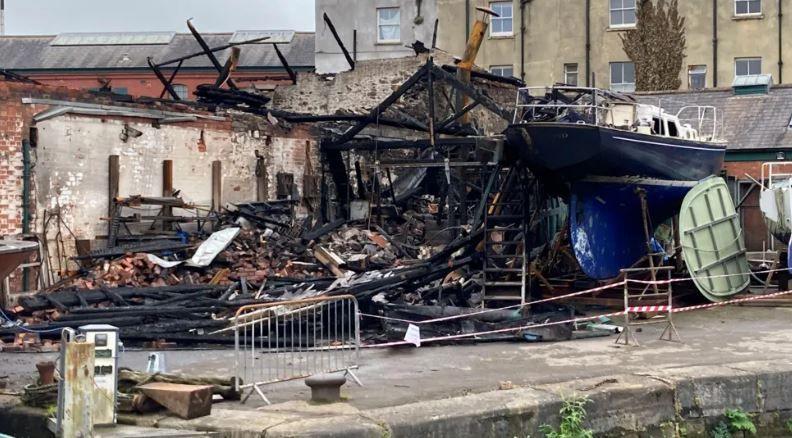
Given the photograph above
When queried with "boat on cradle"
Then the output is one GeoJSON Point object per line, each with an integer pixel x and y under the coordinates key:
{"type": "Point", "coordinates": [600, 150]}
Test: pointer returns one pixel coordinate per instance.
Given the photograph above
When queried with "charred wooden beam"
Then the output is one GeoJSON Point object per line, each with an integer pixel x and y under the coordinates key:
{"type": "Point", "coordinates": [172, 77]}
{"type": "Point", "coordinates": [473, 93]}
{"type": "Point", "coordinates": [338, 171]}
{"type": "Point", "coordinates": [370, 145]}
{"type": "Point", "coordinates": [216, 49]}
{"type": "Point", "coordinates": [229, 67]}
{"type": "Point", "coordinates": [285, 64]}
{"type": "Point", "coordinates": [11, 76]}
{"type": "Point", "coordinates": [93, 296]}
{"type": "Point", "coordinates": [253, 102]}
{"type": "Point", "coordinates": [165, 82]}
{"type": "Point", "coordinates": [488, 76]}
{"type": "Point", "coordinates": [208, 51]}
{"type": "Point", "coordinates": [452, 118]}
{"type": "Point", "coordinates": [338, 40]}
{"type": "Point", "coordinates": [384, 105]}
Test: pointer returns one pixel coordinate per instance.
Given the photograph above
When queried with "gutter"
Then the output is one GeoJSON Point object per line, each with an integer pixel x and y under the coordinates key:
{"type": "Point", "coordinates": [63, 107]}
{"type": "Point", "coordinates": [33, 71]}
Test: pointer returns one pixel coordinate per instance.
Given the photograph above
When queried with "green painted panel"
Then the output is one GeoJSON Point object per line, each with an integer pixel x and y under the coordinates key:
{"type": "Point", "coordinates": [712, 240]}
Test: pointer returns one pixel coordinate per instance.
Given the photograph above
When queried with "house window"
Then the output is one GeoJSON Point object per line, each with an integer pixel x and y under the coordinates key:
{"type": "Point", "coordinates": [747, 7]}
{"type": "Point", "coordinates": [622, 76]}
{"type": "Point", "coordinates": [571, 74]}
{"type": "Point", "coordinates": [388, 25]}
{"type": "Point", "coordinates": [697, 77]}
{"type": "Point", "coordinates": [747, 66]}
{"type": "Point", "coordinates": [501, 26]}
{"type": "Point", "coordinates": [622, 13]}
{"type": "Point", "coordinates": [506, 71]}
{"type": "Point", "coordinates": [181, 91]}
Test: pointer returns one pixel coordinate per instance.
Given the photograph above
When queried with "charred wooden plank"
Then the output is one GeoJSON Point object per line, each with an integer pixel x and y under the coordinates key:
{"type": "Point", "coordinates": [338, 40]}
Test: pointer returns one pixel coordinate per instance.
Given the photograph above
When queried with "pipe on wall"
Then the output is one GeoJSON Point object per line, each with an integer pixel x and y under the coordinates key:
{"type": "Point", "coordinates": [780, 42]}
{"type": "Point", "coordinates": [26, 184]}
{"type": "Point", "coordinates": [588, 43]}
{"type": "Point", "coordinates": [714, 43]}
{"type": "Point", "coordinates": [522, 38]}
{"type": "Point", "coordinates": [467, 20]}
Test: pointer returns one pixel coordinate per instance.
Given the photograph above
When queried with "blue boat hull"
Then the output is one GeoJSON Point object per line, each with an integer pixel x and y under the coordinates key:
{"type": "Point", "coordinates": [569, 152]}
{"type": "Point", "coordinates": [606, 224]}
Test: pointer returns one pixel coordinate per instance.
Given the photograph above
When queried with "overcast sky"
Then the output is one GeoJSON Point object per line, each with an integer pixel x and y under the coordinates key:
{"type": "Point", "coordinates": [49, 17]}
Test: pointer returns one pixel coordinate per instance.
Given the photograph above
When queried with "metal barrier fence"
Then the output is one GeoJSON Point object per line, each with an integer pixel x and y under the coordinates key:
{"type": "Point", "coordinates": [634, 304]}
{"type": "Point", "coordinates": [290, 340]}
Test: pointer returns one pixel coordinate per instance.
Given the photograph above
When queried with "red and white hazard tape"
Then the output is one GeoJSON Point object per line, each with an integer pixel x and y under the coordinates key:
{"type": "Point", "coordinates": [562, 297]}
{"type": "Point", "coordinates": [485, 311]}
{"type": "Point", "coordinates": [640, 309]}
{"type": "Point", "coordinates": [574, 320]}
{"type": "Point", "coordinates": [704, 277]}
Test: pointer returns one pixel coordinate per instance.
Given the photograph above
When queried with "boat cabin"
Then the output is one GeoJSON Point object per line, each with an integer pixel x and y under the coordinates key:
{"type": "Point", "coordinates": [582, 105]}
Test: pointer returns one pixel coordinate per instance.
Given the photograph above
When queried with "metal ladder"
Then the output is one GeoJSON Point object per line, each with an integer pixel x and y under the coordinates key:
{"type": "Point", "coordinates": [505, 265]}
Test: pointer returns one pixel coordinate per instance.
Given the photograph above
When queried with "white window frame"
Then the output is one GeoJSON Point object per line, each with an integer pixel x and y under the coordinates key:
{"type": "Point", "coordinates": [183, 96]}
{"type": "Point", "coordinates": [502, 68]}
{"type": "Point", "coordinates": [622, 9]}
{"type": "Point", "coordinates": [510, 19]}
{"type": "Point", "coordinates": [698, 72]}
{"type": "Point", "coordinates": [379, 25]}
{"type": "Point", "coordinates": [568, 71]}
{"type": "Point", "coordinates": [620, 86]}
{"type": "Point", "coordinates": [747, 14]}
{"type": "Point", "coordinates": [748, 59]}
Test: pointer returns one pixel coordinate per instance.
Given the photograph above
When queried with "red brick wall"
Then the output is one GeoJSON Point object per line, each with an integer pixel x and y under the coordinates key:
{"type": "Point", "coordinates": [738, 169]}
{"type": "Point", "coordinates": [145, 83]}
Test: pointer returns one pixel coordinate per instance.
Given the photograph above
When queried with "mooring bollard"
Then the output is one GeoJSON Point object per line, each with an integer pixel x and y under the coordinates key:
{"type": "Point", "coordinates": [326, 388]}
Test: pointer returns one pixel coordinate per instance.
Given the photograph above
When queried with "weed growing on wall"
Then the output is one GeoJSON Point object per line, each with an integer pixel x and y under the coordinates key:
{"type": "Point", "coordinates": [573, 414]}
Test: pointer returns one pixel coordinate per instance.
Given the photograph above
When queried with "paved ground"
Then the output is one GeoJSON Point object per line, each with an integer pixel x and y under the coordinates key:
{"type": "Point", "coordinates": [404, 375]}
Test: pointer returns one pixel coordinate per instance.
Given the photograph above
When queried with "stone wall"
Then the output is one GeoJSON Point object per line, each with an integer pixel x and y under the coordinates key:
{"type": "Point", "coordinates": [371, 82]}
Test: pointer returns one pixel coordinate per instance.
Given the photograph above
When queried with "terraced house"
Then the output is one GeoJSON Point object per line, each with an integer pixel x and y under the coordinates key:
{"type": "Point", "coordinates": [570, 41]}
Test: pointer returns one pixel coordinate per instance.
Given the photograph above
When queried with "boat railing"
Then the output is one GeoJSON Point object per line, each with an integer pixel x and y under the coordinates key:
{"type": "Point", "coordinates": [706, 120]}
{"type": "Point", "coordinates": [775, 171]}
{"type": "Point", "coordinates": [593, 110]}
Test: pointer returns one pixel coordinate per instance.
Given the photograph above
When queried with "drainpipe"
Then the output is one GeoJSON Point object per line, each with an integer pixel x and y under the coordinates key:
{"type": "Point", "coordinates": [714, 43]}
{"type": "Point", "coordinates": [25, 186]}
{"type": "Point", "coordinates": [780, 46]}
{"type": "Point", "coordinates": [522, 38]}
{"type": "Point", "coordinates": [25, 202]}
{"type": "Point", "coordinates": [588, 43]}
{"type": "Point", "coordinates": [467, 20]}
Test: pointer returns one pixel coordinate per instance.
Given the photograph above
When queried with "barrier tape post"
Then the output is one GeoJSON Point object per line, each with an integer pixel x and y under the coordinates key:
{"type": "Point", "coordinates": [670, 331]}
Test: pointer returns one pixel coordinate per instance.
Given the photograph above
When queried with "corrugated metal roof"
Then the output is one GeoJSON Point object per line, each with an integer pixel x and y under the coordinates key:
{"type": "Point", "coordinates": [113, 39]}
{"type": "Point", "coordinates": [26, 53]}
{"type": "Point", "coordinates": [757, 121]}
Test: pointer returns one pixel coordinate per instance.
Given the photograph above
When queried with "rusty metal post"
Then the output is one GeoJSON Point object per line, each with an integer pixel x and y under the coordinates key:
{"type": "Point", "coordinates": [167, 191]}
{"type": "Point", "coordinates": [112, 183]}
{"type": "Point", "coordinates": [217, 186]}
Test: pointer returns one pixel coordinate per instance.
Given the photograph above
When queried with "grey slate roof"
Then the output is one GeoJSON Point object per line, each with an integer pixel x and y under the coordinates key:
{"type": "Point", "coordinates": [758, 121]}
{"type": "Point", "coordinates": [26, 53]}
